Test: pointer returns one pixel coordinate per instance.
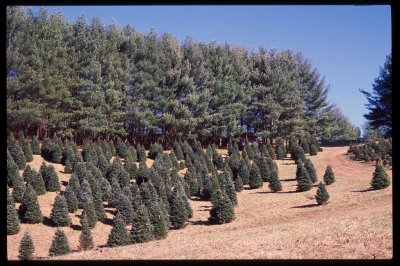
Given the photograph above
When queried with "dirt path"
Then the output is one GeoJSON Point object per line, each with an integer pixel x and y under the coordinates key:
{"type": "Point", "coordinates": [285, 225]}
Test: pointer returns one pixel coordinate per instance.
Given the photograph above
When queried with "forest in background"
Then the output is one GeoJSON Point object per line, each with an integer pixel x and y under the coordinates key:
{"type": "Point", "coordinates": [85, 80]}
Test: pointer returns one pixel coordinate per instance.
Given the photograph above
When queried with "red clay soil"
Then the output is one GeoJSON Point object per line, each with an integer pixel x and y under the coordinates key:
{"type": "Point", "coordinates": [355, 224]}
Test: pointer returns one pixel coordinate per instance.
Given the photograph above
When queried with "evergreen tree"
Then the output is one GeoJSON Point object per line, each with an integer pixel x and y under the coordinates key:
{"type": "Point", "coordinates": [279, 153]}
{"type": "Point", "coordinates": [105, 189]}
{"type": "Point", "coordinates": [143, 174]}
{"type": "Point", "coordinates": [230, 188]}
{"type": "Point", "coordinates": [264, 168]}
{"type": "Point", "coordinates": [141, 154]}
{"type": "Point", "coordinates": [18, 188]}
{"type": "Point", "coordinates": [380, 100]}
{"type": "Point", "coordinates": [35, 146]}
{"type": "Point", "coordinates": [244, 172]}
{"type": "Point", "coordinates": [303, 179]}
{"type": "Point", "coordinates": [178, 213]}
{"type": "Point", "coordinates": [178, 151]}
{"type": "Point", "coordinates": [68, 167]}
{"type": "Point", "coordinates": [51, 181]}
{"type": "Point", "coordinates": [27, 149]}
{"type": "Point", "coordinates": [92, 219]}
{"type": "Point", "coordinates": [118, 236]}
{"type": "Point", "coordinates": [12, 169]}
{"type": "Point", "coordinates": [17, 154]}
{"type": "Point", "coordinates": [74, 184]}
{"type": "Point", "coordinates": [29, 210]}
{"type": "Point", "coordinates": [85, 193]}
{"type": "Point", "coordinates": [59, 214]}
{"type": "Point", "coordinates": [142, 230]}
{"type": "Point", "coordinates": [255, 180]}
{"type": "Point", "coordinates": [329, 176]}
{"type": "Point", "coordinates": [71, 199]}
{"type": "Point", "coordinates": [13, 225]}
{"type": "Point", "coordinates": [26, 247]}
{"type": "Point", "coordinates": [311, 170]}
{"type": "Point", "coordinates": [115, 193]}
{"type": "Point", "coordinates": [125, 209]}
{"type": "Point", "coordinates": [60, 244]}
{"type": "Point", "coordinates": [322, 196]}
{"type": "Point", "coordinates": [85, 238]}
{"type": "Point", "coordinates": [158, 221]}
{"type": "Point", "coordinates": [274, 183]}
{"type": "Point", "coordinates": [222, 210]}
{"type": "Point", "coordinates": [35, 180]}
{"type": "Point", "coordinates": [238, 184]}
{"type": "Point", "coordinates": [297, 152]}
{"type": "Point", "coordinates": [98, 207]}
{"type": "Point", "coordinates": [313, 150]}
{"type": "Point", "coordinates": [380, 179]}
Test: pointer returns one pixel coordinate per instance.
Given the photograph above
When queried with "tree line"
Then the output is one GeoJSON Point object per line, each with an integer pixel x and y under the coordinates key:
{"type": "Point", "coordinates": [86, 80]}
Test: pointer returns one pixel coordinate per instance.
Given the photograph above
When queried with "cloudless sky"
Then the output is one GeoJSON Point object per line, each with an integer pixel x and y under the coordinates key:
{"type": "Point", "coordinates": [347, 44]}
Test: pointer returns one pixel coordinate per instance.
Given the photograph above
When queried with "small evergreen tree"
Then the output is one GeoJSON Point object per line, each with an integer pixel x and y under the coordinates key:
{"type": "Point", "coordinates": [380, 179]}
{"type": "Point", "coordinates": [279, 153]}
{"type": "Point", "coordinates": [60, 244]}
{"type": "Point", "coordinates": [142, 230]}
{"type": "Point", "coordinates": [118, 236]}
{"type": "Point", "coordinates": [98, 207]}
{"type": "Point", "coordinates": [329, 176]}
{"type": "Point", "coordinates": [178, 213]}
{"type": "Point", "coordinates": [244, 172]}
{"type": "Point", "coordinates": [222, 210]}
{"type": "Point", "coordinates": [51, 181]}
{"type": "Point", "coordinates": [91, 214]}
{"type": "Point", "coordinates": [35, 180]}
{"type": "Point", "coordinates": [18, 188]}
{"type": "Point", "coordinates": [13, 225]}
{"type": "Point", "coordinates": [297, 152]}
{"type": "Point", "coordinates": [274, 183]}
{"type": "Point", "coordinates": [29, 210]}
{"type": "Point", "coordinates": [71, 199]}
{"type": "Point", "coordinates": [115, 193]}
{"type": "Point", "coordinates": [27, 149]}
{"type": "Point", "coordinates": [35, 146]}
{"type": "Point", "coordinates": [105, 189]}
{"type": "Point", "coordinates": [26, 247]}
{"type": "Point", "coordinates": [303, 179]}
{"type": "Point", "coordinates": [141, 154]}
{"type": "Point", "coordinates": [178, 151]}
{"type": "Point", "coordinates": [255, 180]}
{"type": "Point", "coordinates": [311, 170]}
{"type": "Point", "coordinates": [59, 213]}
{"type": "Point", "coordinates": [238, 184]}
{"type": "Point", "coordinates": [74, 184]}
{"type": "Point", "coordinates": [125, 209]}
{"type": "Point", "coordinates": [313, 150]}
{"type": "Point", "coordinates": [322, 196]}
{"type": "Point", "coordinates": [264, 168]}
{"type": "Point", "coordinates": [230, 189]}
{"type": "Point", "coordinates": [85, 238]}
{"type": "Point", "coordinates": [85, 193]}
{"type": "Point", "coordinates": [17, 153]}
{"type": "Point", "coordinates": [68, 167]}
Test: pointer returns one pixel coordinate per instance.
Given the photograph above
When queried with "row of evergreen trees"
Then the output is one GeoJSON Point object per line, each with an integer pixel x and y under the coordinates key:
{"type": "Point", "coordinates": [374, 150]}
{"type": "Point", "coordinates": [83, 80]}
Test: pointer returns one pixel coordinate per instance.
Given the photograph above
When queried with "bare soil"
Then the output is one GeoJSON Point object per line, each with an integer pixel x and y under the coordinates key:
{"type": "Point", "coordinates": [355, 224]}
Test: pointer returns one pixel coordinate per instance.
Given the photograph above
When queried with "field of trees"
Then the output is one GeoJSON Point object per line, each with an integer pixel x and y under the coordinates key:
{"type": "Point", "coordinates": [126, 145]}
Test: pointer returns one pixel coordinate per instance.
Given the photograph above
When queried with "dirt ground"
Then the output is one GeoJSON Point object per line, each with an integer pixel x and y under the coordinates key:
{"type": "Point", "coordinates": [356, 223]}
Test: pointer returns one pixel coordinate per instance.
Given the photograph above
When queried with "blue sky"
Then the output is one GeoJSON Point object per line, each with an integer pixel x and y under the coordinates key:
{"type": "Point", "coordinates": [347, 44]}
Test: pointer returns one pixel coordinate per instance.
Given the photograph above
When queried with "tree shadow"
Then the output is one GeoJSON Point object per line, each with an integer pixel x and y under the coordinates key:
{"type": "Point", "coordinates": [305, 206]}
{"type": "Point", "coordinates": [64, 183]}
{"type": "Point", "coordinates": [263, 192]}
{"type": "Point", "coordinates": [288, 179]}
{"type": "Point", "coordinates": [48, 222]}
{"type": "Point", "coordinates": [363, 190]}
{"type": "Point", "coordinates": [199, 199]}
{"type": "Point", "coordinates": [107, 221]}
{"type": "Point", "coordinates": [76, 227]}
{"type": "Point", "coordinates": [288, 163]}
{"type": "Point", "coordinates": [200, 222]}
{"type": "Point", "coordinates": [290, 192]}
{"type": "Point", "coordinates": [111, 211]}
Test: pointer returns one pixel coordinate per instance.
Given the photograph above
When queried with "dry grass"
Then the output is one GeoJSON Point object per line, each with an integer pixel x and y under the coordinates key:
{"type": "Point", "coordinates": [356, 224]}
